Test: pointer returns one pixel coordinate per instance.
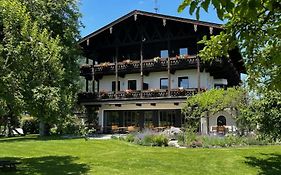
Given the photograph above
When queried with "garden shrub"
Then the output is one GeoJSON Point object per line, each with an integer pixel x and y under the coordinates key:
{"type": "Point", "coordinates": [187, 137]}
{"type": "Point", "coordinates": [160, 140]}
{"type": "Point", "coordinates": [148, 138]}
{"type": "Point", "coordinates": [251, 140]}
{"type": "Point", "coordinates": [71, 126]}
{"type": "Point", "coordinates": [196, 144]}
{"type": "Point", "coordinates": [29, 125]}
{"type": "Point", "coordinates": [114, 137]}
{"type": "Point", "coordinates": [130, 138]}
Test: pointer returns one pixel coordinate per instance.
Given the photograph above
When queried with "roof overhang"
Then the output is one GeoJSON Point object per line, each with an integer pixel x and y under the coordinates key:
{"type": "Point", "coordinates": [154, 15]}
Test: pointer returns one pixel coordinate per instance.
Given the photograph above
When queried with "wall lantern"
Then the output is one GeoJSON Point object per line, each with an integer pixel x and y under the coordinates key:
{"type": "Point", "coordinates": [211, 30]}
{"type": "Point", "coordinates": [164, 22]}
{"type": "Point", "coordinates": [195, 27]}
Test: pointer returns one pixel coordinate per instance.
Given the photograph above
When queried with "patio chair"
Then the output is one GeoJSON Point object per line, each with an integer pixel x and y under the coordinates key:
{"type": "Point", "coordinates": [114, 129]}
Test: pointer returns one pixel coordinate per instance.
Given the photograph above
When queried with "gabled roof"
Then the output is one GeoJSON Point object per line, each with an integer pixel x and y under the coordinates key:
{"type": "Point", "coordinates": [155, 15]}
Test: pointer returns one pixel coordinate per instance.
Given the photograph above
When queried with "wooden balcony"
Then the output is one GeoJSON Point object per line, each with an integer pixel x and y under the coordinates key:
{"type": "Point", "coordinates": [86, 71]}
{"type": "Point", "coordinates": [151, 65]}
{"type": "Point", "coordinates": [129, 94]}
{"type": "Point", "coordinates": [158, 64]}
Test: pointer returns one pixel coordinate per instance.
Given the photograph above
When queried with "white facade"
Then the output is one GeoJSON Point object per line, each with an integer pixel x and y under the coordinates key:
{"type": "Point", "coordinates": [153, 80]}
{"type": "Point", "coordinates": [210, 123]}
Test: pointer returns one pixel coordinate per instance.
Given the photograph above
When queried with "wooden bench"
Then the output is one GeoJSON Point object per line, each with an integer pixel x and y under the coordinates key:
{"type": "Point", "coordinates": [8, 164]}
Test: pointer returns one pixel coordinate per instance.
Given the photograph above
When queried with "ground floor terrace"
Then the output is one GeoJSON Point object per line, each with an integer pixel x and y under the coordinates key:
{"type": "Point", "coordinates": [158, 116]}
{"type": "Point", "coordinates": [135, 120]}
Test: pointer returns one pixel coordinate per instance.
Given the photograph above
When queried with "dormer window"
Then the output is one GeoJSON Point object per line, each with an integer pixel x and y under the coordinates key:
{"type": "Point", "coordinates": [183, 82]}
{"type": "Point", "coordinates": [163, 83]}
{"type": "Point", "coordinates": [113, 86]}
{"type": "Point", "coordinates": [164, 54]}
{"type": "Point", "coordinates": [132, 84]}
{"type": "Point", "coordinates": [183, 51]}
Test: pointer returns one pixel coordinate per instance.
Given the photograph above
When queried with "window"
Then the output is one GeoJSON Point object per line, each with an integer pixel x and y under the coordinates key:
{"type": "Point", "coordinates": [163, 83]}
{"type": "Point", "coordinates": [219, 86]}
{"type": "Point", "coordinates": [167, 118]}
{"type": "Point", "coordinates": [145, 86]}
{"type": "Point", "coordinates": [114, 85]}
{"type": "Point", "coordinates": [183, 82]}
{"type": "Point", "coordinates": [132, 84]}
{"type": "Point", "coordinates": [183, 51]}
{"type": "Point", "coordinates": [164, 54]}
{"type": "Point", "coordinates": [221, 121]}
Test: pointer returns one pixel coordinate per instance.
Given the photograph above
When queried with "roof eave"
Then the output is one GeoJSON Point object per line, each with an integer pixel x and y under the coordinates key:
{"type": "Point", "coordinates": [138, 12]}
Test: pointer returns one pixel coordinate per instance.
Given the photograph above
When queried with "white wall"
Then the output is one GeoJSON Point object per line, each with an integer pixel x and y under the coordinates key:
{"type": "Point", "coordinates": [220, 81]}
{"type": "Point", "coordinates": [229, 116]}
{"type": "Point", "coordinates": [153, 80]}
{"type": "Point", "coordinates": [105, 84]}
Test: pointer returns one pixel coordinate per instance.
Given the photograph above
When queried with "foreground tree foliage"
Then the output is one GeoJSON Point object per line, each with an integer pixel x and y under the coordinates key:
{"type": "Point", "coordinates": [252, 25]}
{"type": "Point", "coordinates": [213, 101]}
{"type": "Point", "coordinates": [265, 111]}
{"type": "Point", "coordinates": [255, 27]}
{"type": "Point", "coordinates": [38, 54]}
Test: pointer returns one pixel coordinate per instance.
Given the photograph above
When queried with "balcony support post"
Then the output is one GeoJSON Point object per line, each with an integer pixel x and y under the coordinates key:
{"type": "Point", "coordinates": [169, 70]}
{"type": "Point", "coordinates": [87, 81]}
{"type": "Point", "coordinates": [198, 60]}
{"type": "Point", "coordinates": [116, 72]}
{"type": "Point", "coordinates": [198, 74]}
{"type": "Point", "coordinates": [93, 74]}
{"type": "Point", "coordinates": [141, 68]}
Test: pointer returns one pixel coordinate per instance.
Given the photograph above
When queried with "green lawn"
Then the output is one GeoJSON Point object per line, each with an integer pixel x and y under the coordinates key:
{"type": "Point", "coordinates": [77, 156]}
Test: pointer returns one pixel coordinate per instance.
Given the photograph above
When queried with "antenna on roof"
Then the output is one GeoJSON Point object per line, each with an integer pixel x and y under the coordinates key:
{"type": "Point", "coordinates": [156, 6]}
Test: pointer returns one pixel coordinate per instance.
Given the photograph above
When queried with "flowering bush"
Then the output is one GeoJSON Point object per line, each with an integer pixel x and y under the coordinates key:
{"type": "Point", "coordinates": [156, 59]}
{"type": "Point", "coordinates": [148, 138]}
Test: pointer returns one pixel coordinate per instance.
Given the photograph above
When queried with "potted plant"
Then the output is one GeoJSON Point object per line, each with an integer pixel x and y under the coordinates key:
{"type": "Point", "coordinates": [128, 93]}
{"type": "Point", "coordinates": [156, 59]}
{"type": "Point", "coordinates": [103, 95]}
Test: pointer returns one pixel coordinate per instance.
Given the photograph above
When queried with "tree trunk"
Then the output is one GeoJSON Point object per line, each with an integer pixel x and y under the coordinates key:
{"type": "Point", "coordinates": [44, 128]}
{"type": "Point", "coordinates": [8, 131]}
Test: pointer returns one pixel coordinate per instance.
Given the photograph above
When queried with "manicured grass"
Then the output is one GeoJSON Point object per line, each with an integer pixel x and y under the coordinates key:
{"type": "Point", "coordinates": [77, 156]}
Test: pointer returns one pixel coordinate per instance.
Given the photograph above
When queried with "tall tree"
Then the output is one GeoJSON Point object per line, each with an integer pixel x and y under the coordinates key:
{"type": "Point", "coordinates": [39, 38]}
{"type": "Point", "coordinates": [252, 25]}
{"type": "Point", "coordinates": [61, 19]}
{"type": "Point", "coordinates": [13, 19]}
{"type": "Point", "coordinates": [213, 101]}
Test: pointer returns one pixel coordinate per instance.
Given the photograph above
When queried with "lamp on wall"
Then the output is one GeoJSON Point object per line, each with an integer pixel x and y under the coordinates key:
{"type": "Point", "coordinates": [164, 22]}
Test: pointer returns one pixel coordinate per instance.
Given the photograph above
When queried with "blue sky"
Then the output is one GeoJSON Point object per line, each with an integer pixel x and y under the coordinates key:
{"type": "Point", "coordinates": [98, 13]}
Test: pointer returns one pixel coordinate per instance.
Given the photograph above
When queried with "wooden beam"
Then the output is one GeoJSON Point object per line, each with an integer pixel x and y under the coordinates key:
{"type": "Point", "coordinates": [141, 67]}
{"type": "Point", "coordinates": [169, 64]}
{"type": "Point", "coordinates": [94, 81]}
{"type": "Point", "coordinates": [198, 60]}
{"type": "Point", "coordinates": [116, 72]}
{"type": "Point", "coordinates": [103, 45]}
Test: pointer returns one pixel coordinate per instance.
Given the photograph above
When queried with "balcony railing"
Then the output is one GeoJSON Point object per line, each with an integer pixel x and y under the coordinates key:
{"type": "Point", "coordinates": [129, 94]}
{"type": "Point", "coordinates": [129, 66]}
{"type": "Point", "coordinates": [134, 66]}
{"type": "Point", "coordinates": [86, 71]}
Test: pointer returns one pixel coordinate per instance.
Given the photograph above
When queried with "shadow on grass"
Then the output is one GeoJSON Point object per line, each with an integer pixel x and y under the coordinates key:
{"type": "Point", "coordinates": [34, 138]}
{"type": "Point", "coordinates": [61, 165]}
{"type": "Point", "coordinates": [269, 164]}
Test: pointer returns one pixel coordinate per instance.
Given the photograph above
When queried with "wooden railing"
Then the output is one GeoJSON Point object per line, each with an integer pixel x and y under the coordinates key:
{"type": "Point", "coordinates": [129, 66]}
{"type": "Point", "coordinates": [86, 71]}
{"type": "Point", "coordinates": [158, 93]}
{"type": "Point", "coordinates": [151, 64]}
